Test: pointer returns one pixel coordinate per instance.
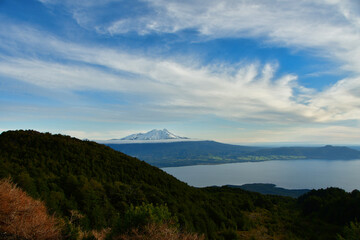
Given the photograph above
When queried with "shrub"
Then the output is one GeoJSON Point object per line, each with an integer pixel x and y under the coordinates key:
{"type": "Point", "coordinates": [155, 231]}
{"type": "Point", "coordinates": [140, 216]}
{"type": "Point", "coordinates": [149, 222]}
{"type": "Point", "coordinates": [229, 234]}
{"type": "Point", "coordinates": [351, 232]}
{"type": "Point", "coordinates": [22, 216]}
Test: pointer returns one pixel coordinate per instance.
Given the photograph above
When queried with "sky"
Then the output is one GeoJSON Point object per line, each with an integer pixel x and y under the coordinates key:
{"type": "Point", "coordinates": [234, 71]}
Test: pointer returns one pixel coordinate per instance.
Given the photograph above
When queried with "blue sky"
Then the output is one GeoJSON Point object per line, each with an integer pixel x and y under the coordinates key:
{"type": "Point", "coordinates": [232, 71]}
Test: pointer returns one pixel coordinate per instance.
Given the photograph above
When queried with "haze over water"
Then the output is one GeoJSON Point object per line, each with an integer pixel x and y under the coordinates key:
{"type": "Point", "coordinates": [290, 174]}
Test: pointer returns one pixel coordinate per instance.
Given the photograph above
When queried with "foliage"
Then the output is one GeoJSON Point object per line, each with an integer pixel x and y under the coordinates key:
{"type": "Point", "coordinates": [140, 216]}
{"type": "Point", "coordinates": [22, 216]}
{"type": "Point", "coordinates": [229, 234]}
{"type": "Point", "coordinates": [93, 187]}
{"type": "Point", "coordinates": [351, 232]}
{"type": "Point", "coordinates": [158, 232]}
{"type": "Point", "coordinates": [100, 183]}
{"type": "Point", "coordinates": [333, 205]}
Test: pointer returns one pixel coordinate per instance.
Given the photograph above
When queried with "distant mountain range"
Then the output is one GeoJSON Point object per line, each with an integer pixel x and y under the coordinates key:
{"type": "Point", "coordinates": [162, 148]}
{"type": "Point", "coordinates": [271, 189]}
{"type": "Point", "coordinates": [187, 153]}
{"type": "Point", "coordinates": [153, 135]}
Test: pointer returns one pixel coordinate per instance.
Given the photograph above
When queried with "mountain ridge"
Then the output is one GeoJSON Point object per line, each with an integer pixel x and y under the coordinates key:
{"type": "Point", "coordinates": [271, 189]}
{"type": "Point", "coordinates": [187, 153]}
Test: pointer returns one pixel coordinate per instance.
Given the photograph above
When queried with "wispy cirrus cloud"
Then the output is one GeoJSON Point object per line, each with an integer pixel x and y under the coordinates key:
{"type": "Point", "coordinates": [329, 28]}
{"type": "Point", "coordinates": [251, 91]}
{"type": "Point", "coordinates": [182, 86]}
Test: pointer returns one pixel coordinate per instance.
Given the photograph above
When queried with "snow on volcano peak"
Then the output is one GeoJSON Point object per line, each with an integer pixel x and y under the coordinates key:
{"type": "Point", "coordinates": [153, 135]}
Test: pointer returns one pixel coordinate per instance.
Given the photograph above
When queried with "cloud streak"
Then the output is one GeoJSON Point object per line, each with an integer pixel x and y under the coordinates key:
{"type": "Point", "coordinates": [171, 86]}
{"type": "Point", "coordinates": [330, 28]}
{"type": "Point", "coordinates": [304, 134]}
{"type": "Point", "coordinates": [163, 88]}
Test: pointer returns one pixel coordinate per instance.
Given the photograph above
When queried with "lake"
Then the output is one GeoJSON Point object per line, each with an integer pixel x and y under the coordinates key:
{"type": "Point", "coordinates": [290, 174]}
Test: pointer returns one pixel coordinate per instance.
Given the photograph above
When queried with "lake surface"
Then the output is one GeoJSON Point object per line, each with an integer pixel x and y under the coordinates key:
{"type": "Point", "coordinates": [290, 174]}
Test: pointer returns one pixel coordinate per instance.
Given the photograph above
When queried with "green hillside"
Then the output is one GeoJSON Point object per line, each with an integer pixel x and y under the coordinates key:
{"type": "Point", "coordinates": [102, 184]}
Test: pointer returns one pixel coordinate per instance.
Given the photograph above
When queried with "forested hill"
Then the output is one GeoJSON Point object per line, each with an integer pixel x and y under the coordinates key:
{"type": "Point", "coordinates": [70, 173]}
{"type": "Point", "coordinates": [102, 184]}
{"type": "Point", "coordinates": [210, 152]}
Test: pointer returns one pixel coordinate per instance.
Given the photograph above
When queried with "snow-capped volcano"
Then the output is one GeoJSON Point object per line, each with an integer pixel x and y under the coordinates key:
{"type": "Point", "coordinates": [153, 135]}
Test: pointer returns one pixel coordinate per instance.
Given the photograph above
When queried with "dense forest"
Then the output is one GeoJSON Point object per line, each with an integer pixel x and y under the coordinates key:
{"type": "Point", "coordinates": [173, 154]}
{"type": "Point", "coordinates": [104, 186]}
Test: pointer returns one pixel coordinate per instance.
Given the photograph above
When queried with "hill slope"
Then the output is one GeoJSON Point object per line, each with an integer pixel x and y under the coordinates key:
{"type": "Point", "coordinates": [101, 184]}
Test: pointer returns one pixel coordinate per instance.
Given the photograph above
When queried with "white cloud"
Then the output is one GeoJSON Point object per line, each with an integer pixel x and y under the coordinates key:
{"type": "Point", "coordinates": [173, 87]}
{"type": "Point", "coordinates": [302, 134]}
{"type": "Point", "coordinates": [329, 28]}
